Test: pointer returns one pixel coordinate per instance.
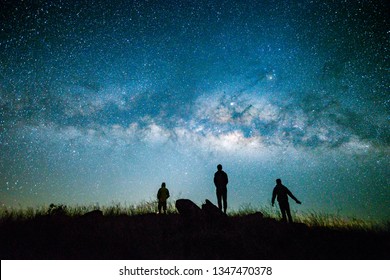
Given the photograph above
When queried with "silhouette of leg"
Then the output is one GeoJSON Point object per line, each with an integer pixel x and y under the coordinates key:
{"type": "Point", "coordinates": [224, 197]}
{"type": "Point", "coordinates": [282, 207]}
{"type": "Point", "coordinates": [164, 206]}
{"type": "Point", "coordinates": [159, 207]}
{"type": "Point", "coordinates": [288, 213]}
{"type": "Point", "coordinates": [219, 198]}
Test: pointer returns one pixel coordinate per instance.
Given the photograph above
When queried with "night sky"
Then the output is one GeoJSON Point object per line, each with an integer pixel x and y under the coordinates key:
{"type": "Point", "coordinates": [102, 101]}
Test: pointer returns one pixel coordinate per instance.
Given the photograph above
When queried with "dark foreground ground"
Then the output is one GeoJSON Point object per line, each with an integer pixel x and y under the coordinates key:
{"type": "Point", "coordinates": [173, 237]}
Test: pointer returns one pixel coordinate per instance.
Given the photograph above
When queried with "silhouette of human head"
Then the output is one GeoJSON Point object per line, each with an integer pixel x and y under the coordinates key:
{"type": "Point", "coordinates": [278, 181]}
{"type": "Point", "coordinates": [163, 185]}
{"type": "Point", "coordinates": [219, 167]}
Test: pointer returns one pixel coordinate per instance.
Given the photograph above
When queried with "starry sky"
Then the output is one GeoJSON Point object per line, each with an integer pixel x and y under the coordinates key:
{"type": "Point", "coordinates": [101, 101]}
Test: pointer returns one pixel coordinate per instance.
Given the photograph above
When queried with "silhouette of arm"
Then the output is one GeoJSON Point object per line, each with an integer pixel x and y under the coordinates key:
{"type": "Point", "coordinates": [292, 196]}
{"type": "Point", "coordinates": [273, 196]}
{"type": "Point", "coordinates": [167, 193]}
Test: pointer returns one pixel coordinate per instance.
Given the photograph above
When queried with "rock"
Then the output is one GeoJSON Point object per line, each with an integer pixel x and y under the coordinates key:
{"type": "Point", "coordinates": [57, 210]}
{"type": "Point", "coordinates": [256, 215]}
{"type": "Point", "coordinates": [211, 210]}
{"type": "Point", "coordinates": [188, 208]}
{"type": "Point", "coordinates": [93, 214]}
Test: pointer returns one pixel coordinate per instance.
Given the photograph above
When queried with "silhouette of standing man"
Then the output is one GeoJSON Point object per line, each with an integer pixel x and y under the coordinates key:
{"type": "Point", "coordinates": [282, 193]}
{"type": "Point", "coordinates": [162, 196]}
{"type": "Point", "coordinates": [220, 182]}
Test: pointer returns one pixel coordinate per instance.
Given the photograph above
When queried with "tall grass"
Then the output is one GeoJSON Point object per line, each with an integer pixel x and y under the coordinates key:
{"type": "Point", "coordinates": [315, 219]}
{"type": "Point", "coordinates": [115, 209]}
{"type": "Point", "coordinates": [311, 219]}
{"type": "Point", "coordinates": [247, 209]}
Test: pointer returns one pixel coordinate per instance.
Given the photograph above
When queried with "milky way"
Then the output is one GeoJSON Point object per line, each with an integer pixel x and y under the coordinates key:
{"type": "Point", "coordinates": [101, 101]}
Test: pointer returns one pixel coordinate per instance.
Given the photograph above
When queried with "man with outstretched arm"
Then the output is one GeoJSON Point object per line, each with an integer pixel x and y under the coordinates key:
{"type": "Point", "coordinates": [282, 193]}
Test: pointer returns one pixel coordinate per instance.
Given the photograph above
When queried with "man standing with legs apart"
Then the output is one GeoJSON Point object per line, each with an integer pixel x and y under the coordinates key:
{"type": "Point", "coordinates": [220, 182]}
{"type": "Point", "coordinates": [282, 193]}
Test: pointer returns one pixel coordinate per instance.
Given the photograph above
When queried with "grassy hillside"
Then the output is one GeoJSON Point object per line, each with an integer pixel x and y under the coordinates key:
{"type": "Point", "coordinates": [136, 232]}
